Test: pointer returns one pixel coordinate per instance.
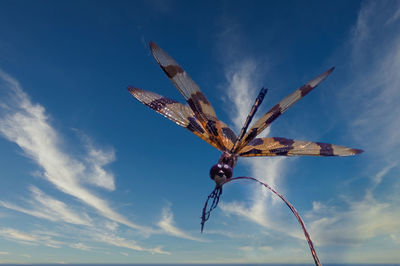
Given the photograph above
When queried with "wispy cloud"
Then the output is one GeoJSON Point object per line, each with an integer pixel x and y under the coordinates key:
{"type": "Point", "coordinates": [229, 234]}
{"type": "Point", "coordinates": [242, 81]}
{"type": "Point", "coordinates": [375, 80]}
{"type": "Point", "coordinates": [27, 125]}
{"type": "Point", "coordinates": [81, 246]}
{"type": "Point", "coordinates": [122, 242]}
{"type": "Point", "coordinates": [96, 160]}
{"type": "Point", "coordinates": [259, 248]}
{"type": "Point", "coordinates": [374, 108]}
{"type": "Point", "coordinates": [167, 225]}
{"type": "Point", "coordinates": [17, 235]}
{"type": "Point", "coordinates": [357, 221]}
{"type": "Point", "coordinates": [375, 122]}
{"type": "Point", "coordinates": [364, 220]}
{"type": "Point", "coordinates": [29, 238]}
{"type": "Point", "coordinates": [377, 179]}
{"type": "Point", "coordinates": [46, 207]}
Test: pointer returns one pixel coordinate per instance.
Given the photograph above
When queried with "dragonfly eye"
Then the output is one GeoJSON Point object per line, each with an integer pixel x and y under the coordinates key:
{"type": "Point", "coordinates": [228, 171]}
{"type": "Point", "coordinates": [220, 171]}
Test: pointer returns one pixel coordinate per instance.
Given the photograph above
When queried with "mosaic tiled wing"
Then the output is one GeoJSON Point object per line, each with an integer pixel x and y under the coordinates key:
{"type": "Point", "coordinates": [288, 147]}
{"type": "Point", "coordinates": [279, 109]}
{"type": "Point", "coordinates": [221, 134]}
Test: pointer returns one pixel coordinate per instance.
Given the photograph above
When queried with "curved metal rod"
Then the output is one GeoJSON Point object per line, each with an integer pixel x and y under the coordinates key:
{"type": "Point", "coordinates": [310, 243]}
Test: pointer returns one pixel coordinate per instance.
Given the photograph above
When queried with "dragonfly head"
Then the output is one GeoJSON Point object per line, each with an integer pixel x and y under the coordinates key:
{"type": "Point", "coordinates": [220, 173]}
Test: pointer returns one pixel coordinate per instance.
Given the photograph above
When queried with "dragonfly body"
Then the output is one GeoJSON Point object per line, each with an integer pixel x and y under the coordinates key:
{"type": "Point", "coordinates": [223, 170]}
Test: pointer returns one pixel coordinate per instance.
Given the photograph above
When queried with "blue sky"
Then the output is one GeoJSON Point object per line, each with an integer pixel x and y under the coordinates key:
{"type": "Point", "coordinates": [89, 174]}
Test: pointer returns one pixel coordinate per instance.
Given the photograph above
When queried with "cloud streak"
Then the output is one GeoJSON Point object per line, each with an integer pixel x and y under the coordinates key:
{"type": "Point", "coordinates": [29, 238]}
{"type": "Point", "coordinates": [167, 225]}
{"type": "Point", "coordinates": [374, 86]}
{"type": "Point", "coordinates": [27, 125]}
{"type": "Point", "coordinates": [112, 239]}
{"type": "Point", "coordinates": [17, 235]}
{"type": "Point", "coordinates": [375, 122]}
{"type": "Point", "coordinates": [46, 207]}
{"type": "Point", "coordinates": [375, 59]}
{"type": "Point", "coordinates": [241, 82]}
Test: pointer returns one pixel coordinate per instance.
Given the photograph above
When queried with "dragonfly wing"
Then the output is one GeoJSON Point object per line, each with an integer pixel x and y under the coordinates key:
{"type": "Point", "coordinates": [225, 135]}
{"type": "Point", "coordinates": [289, 147]}
{"type": "Point", "coordinates": [218, 131]}
{"type": "Point", "coordinates": [186, 86]}
{"type": "Point", "coordinates": [181, 114]}
{"type": "Point", "coordinates": [264, 121]}
{"type": "Point", "coordinates": [250, 116]}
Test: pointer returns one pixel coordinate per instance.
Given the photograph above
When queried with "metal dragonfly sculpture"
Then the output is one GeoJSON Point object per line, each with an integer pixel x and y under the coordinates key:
{"type": "Point", "coordinates": [199, 117]}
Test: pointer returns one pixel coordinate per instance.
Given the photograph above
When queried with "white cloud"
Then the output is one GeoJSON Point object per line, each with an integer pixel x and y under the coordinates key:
{"type": "Point", "coordinates": [32, 238]}
{"type": "Point", "coordinates": [356, 221]}
{"type": "Point", "coordinates": [374, 90]}
{"type": "Point", "coordinates": [265, 248]}
{"type": "Point", "coordinates": [46, 207]}
{"type": "Point", "coordinates": [81, 246]}
{"type": "Point", "coordinates": [361, 30]}
{"type": "Point", "coordinates": [4, 253]}
{"type": "Point", "coordinates": [258, 248]}
{"type": "Point", "coordinates": [27, 125]}
{"type": "Point", "coordinates": [246, 248]}
{"type": "Point", "coordinates": [253, 213]}
{"type": "Point", "coordinates": [56, 208]}
{"type": "Point", "coordinates": [263, 207]}
{"type": "Point", "coordinates": [117, 241]}
{"type": "Point", "coordinates": [242, 83]}
{"type": "Point", "coordinates": [96, 159]}
{"type": "Point", "coordinates": [98, 176]}
{"type": "Point", "coordinates": [92, 233]}
{"type": "Point", "coordinates": [366, 227]}
{"type": "Point", "coordinates": [395, 238]}
{"type": "Point", "coordinates": [363, 221]}
{"type": "Point", "coordinates": [167, 225]}
{"type": "Point", "coordinates": [377, 179]}
{"type": "Point", "coordinates": [16, 235]}
{"type": "Point", "coordinates": [374, 105]}
{"type": "Point", "coordinates": [35, 213]}
{"type": "Point", "coordinates": [112, 226]}
{"type": "Point", "coordinates": [374, 109]}
{"type": "Point", "coordinates": [396, 14]}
